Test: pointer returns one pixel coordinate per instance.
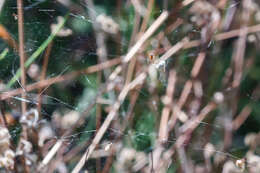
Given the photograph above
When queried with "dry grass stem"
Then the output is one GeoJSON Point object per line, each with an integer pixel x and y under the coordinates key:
{"type": "Point", "coordinates": [50, 81]}
{"type": "Point", "coordinates": [225, 35]}
{"type": "Point", "coordinates": [21, 50]}
{"type": "Point", "coordinates": [50, 154]}
{"type": "Point", "coordinates": [178, 46]}
{"type": "Point", "coordinates": [240, 119]}
{"type": "Point", "coordinates": [137, 81]}
{"type": "Point", "coordinates": [197, 65]}
{"type": "Point", "coordinates": [163, 131]}
{"type": "Point", "coordinates": [158, 22]}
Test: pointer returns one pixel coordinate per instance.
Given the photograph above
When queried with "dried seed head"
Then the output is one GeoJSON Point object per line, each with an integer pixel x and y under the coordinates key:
{"type": "Point", "coordinates": [154, 43]}
{"type": "Point", "coordinates": [9, 154]}
{"type": "Point", "coordinates": [107, 24]}
{"type": "Point", "coordinates": [2, 86]}
{"type": "Point", "coordinates": [230, 167]}
{"type": "Point", "coordinates": [219, 159]}
{"type": "Point", "coordinates": [7, 163]}
{"type": "Point", "coordinates": [140, 161]}
{"type": "Point", "coordinates": [153, 75]}
{"type": "Point", "coordinates": [251, 140]}
{"type": "Point", "coordinates": [45, 133]}
{"type": "Point", "coordinates": [250, 5]}
{"type": "Point", "coordinates": [241, 164]}
{"type": "Point", "coordinates": [108, 146]}
{"type": "Point", "coordinates": [166, 100]}
{"type": "Point", "coordinates": [33, 71]}
{"type": "Point", "coordinates": [253, 162]}
{"type": "Point", "coordinates": [64, 32]}
{"type": "Point", "coordinates": [62, 168]}
{"type": "Point", "coordinates": [209, 150]}
{"type": "Point", "coordinates": [218, 97]}
{"type": "Point", "coordinates": [127, 154]}
{"type": "Point", "coordinates": [251, 38]}
{"type": "Point", "coordinates": [25, 147]}
{"type": "Point", "coordinates": [257, 16]}
{"type": "Point", "coordinates": [182, 116]}
{"type": "Point", "coordinates": [69, 119]}
{"type": "Point", "coordinates": [66, 3]}
{"type": "Point", "coordinates": [4, 137]}
{"type": "Point", "coordinates": [30, 118]}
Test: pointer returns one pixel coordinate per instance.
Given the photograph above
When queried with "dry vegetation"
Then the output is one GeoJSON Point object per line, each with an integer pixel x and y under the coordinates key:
{"type": "Point", "coordinates": [131, 86]}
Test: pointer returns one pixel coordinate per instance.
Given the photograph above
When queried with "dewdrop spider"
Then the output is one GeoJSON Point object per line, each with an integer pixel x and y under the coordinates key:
{"type": "Point", "coordinates": [159, 64]}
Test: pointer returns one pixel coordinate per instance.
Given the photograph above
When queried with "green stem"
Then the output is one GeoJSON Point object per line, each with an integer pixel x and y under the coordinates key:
{"type": "Point", "coordinates": [4, 53]}
{"type": "Point", "coordinates": [36, 54]}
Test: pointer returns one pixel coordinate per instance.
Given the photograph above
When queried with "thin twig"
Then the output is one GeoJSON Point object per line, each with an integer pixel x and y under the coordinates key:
{"type": "Point", "coordinates": [225, 35]}
{"type": "Point", "coordinates": [50, 81]}
{"type": "Point", "coordinates": [21, 49]}
{"type": "Point", "coordinates": [240, 119]}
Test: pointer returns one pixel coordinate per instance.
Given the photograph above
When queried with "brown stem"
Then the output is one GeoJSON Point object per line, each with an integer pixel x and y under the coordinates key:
{"type": "Point", "coordinates": [21, 49]}
{"type": "Point", "coordinates": [43, 74]}
{"type": "Point", "coordinates": [23, 75]}
{"type": "Point", "coordinates": [57, 79]}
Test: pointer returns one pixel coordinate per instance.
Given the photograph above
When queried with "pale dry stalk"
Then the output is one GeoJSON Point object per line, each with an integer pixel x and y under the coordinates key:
{"type": "Point", "coordinates": [168, 99]}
